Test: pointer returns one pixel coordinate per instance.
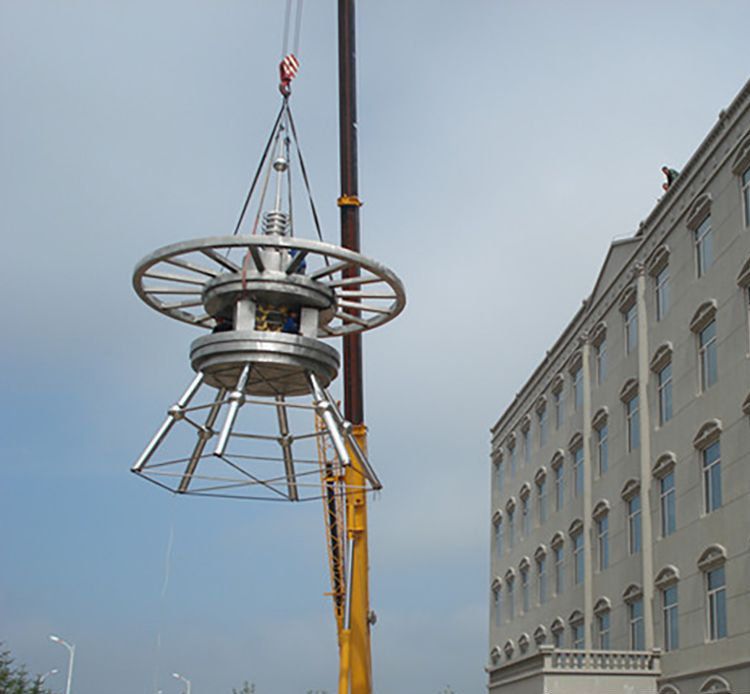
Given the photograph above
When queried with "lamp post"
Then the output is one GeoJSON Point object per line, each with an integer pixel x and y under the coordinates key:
{"type": "Point", "coordinates": [178, 676]}
{"type": "Point", "coordinates": [71, 656]}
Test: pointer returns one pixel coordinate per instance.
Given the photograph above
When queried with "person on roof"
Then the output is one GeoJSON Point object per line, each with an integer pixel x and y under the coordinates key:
{"type": "Point", "coordinates": [671, 175]}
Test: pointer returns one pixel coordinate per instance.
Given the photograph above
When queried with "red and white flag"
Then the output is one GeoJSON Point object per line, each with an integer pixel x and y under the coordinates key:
{"type": "Point", "coordinates": [288, 69]}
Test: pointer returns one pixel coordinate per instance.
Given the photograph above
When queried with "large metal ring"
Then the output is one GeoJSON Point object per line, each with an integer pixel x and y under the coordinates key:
{"type": "Point", "coordinates": [172, 279]}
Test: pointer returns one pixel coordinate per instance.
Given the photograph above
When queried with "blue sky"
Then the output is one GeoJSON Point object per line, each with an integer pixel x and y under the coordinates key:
{"type": "Point", "coordinates": [503, 145]}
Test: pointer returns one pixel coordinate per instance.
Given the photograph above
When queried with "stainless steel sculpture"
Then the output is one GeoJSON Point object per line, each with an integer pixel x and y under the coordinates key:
{"type": "Point", "coordinates": [244, 427]}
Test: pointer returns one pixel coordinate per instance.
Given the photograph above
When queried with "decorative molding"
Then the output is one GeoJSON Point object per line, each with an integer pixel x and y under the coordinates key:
{"type": "Point", "coordinates": [746, 405]}
{"type": "Point", "coordinates": [576, 617]}
{"type": "Point", "coordinates": [707, 434]}
{"type": "Point", "coordinates": [510, 505]}
{"type": "Point", "coordinates": [629, 389]}
{"type": "Point", "coordinates": [558, 540]}
{"type": "Point", "coordinates": [662, 356]}
{"type": "Point", "coordinates": [712, 556]}
{"type": "Point", "coordinates": [602, 605]}
{"type": "Point", "coordinates": [630, 489]}
{"type": "Point", "coordinates": [664, 464]}
{"type": "Point", "coordinates": [497, 583]}
{"type": "Point", "coordinates": [576, 442]}
{"type": "Point", "coordinates": [523, 642]}
{"type": "Point", "coordinates": [743, 277]}
{"type": "Point", "coordinates": [541, 404]}
{"type": "Point", "coordinates": [704, 314]}
{"type": "Point", "coordinates": [715, 685]}
{"type": "Point", "coordinates": [658, 260]}
{"type": "Point", "coordinates": [540, 635]}
{"type": "Point", "coordinates": [497, 517]}
{"type": "Point", "coordinates": [508, 648]}
{"type": "Point", "coordinates": [668, 576]}
{"type": "Point", "coordinates": [510, 575]}
{"type": "Point", "coordinates": [524, 564]}
{"type": "Point", "coordinates": [540, 552]}
{"type": "Point", "coordinates": [575, 362]}
{"type": "Point", "coordinates": [525, 424]}
{"type": "Point", "coordinates": [525, 491]}
{"type": "Point", "coordinates": [602, 508]}
{"type": "Point", "coordinates": [699, 210]}
{"type": "Point", "coordinates": [575, 527]}
{"type": "Point", "coordinates": [558, 624]}
{"type": "Point", "coordinates": [632, 592]}
{"type": "Point", "coordinates": [557, 383]}
{"type": "Point", "coordinates": [627, 298]}
{"type": "Point", "coordinates": [600, 418]}
{"type": "Point", "coordinates": [599, 333]}
{"type": "Point", "coordinates": [558, 458]}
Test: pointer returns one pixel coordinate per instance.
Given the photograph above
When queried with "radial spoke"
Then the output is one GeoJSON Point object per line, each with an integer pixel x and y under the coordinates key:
{"type": "Point", "coordinates": [182, 304]}
{"type": "Point", "coordinates": [171, 277]}
{"type": "Point", "coordinates": [348, 281]}
{"type": "Point", "coordinates": [363, 307]}
{"type": "Point", "coordinates": [220, 259]}
{"type": "Point", "coordinates": [330, 270]}
{"type": "Point", "coordinates": [296, 262]}
{"type": "Point", "coordinates": [179, 262]}
{"type": "Point", "coordinates": [348, 318]}
{"type": "Point", "coordinates": [365, 295]}
{"type": "Point", "coordinates": [171, 290]}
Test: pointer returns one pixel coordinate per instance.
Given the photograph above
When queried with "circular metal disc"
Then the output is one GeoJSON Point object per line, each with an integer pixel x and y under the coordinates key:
{"type": "Point", "coordinates": [172, 279]}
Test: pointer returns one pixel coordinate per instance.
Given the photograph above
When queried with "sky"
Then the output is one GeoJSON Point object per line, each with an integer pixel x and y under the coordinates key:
{"type": "Point", "coordinates": [503, 146]}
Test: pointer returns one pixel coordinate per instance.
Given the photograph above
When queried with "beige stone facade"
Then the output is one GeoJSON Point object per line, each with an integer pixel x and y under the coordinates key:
{"type": "Point", "coordinates": [621, 471]}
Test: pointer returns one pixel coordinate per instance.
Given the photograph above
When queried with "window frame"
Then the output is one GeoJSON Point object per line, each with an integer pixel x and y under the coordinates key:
{"type": "Point", "coordinates": [630, 318]}
{"type": "Point", "coordinates": [711, 476]}
{"type": "Point", "coordinates": [664, 393]}
{"type": "Point", "coordinates": [541, 573]}
{"type": "Point", "coordinates": [602, 541]}
{"type": "Point", "coordinates": [558, 563]}
{"type": "Point", "coordinates": [603, 627]}
{"type": "Point", "coordinates": [634, 521]}
{"type": "Point", "coordinates": [661, 291]}
{"type": "Point", "coordinates": [632, 422]}
{"type": "Point", "coordinates": [577, 549]}
{"type": "Point", "coordinates": [559, 480]}
{"type": "Point", "coordinates": [636, 630]}
{"type": "Point", "coordinates": [703, 240]}
{"type": "Point", "coordinates": [716, 602]}
{"type": "Point", "coordinates": [541, 498]}
{"type": "Point", "coordinates": [708, 357]}
{"type": "Point", "coordinates": [745, 192]}
{"type": "Point", "coordinates": [670, 618]}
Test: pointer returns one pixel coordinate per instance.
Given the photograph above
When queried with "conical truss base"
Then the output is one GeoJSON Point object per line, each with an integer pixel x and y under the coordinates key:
{"type": "Point", "coordinates": [216, 442]}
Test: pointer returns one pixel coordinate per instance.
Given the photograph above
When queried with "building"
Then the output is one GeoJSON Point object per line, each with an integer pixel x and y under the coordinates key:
{"type": "Point", "coordinates": [621, 471]}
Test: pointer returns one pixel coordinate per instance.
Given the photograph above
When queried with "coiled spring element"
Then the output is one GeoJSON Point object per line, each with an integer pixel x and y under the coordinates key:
{"type": "Point", "coordinates": [275, 222]}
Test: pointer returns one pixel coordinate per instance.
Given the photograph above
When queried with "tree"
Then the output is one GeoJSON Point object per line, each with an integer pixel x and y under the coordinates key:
{"type": "Point", "coordinates": [247, 688]}
{"type": "Point", "coordinates": [16, 680]}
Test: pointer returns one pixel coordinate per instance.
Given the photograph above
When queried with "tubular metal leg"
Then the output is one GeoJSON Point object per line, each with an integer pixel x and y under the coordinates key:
{"type": "Point", "coordinates": [204, 435]}
{"type": "Point", "coordinates": [286, 447]}
{"type": "Point", "coordinates": [175, 413]}
{"type": "Point", "coordinates": [352, 441]}
{"type": "Point", "coordinates": [236, 400]}
{"type": "Point", "coordinates": [323, 406]}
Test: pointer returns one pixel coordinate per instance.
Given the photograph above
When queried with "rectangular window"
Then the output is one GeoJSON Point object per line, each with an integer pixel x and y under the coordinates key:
{"type": "Point", "coordinates": [559, 403]}
{"type": "Point", "coordinates": [541, 500]}
{"type": "Point", "coordinates": [711, 477]}
{"type": "Point", "coordinates": [602, 448]}
{"type": "Point", "coordinates": [525, 516]}
{"type": "Point", "coordinates": [557, 638]}
{"type": "Point", "coordinates": [669, 615]}
{"type": "Point", "coordinates": [602, 627]}
{"type": "Point", "coordinates": [704, 246]}
{"type": "Point", "coordinates": [631, 329]}
{"type": "Point", "coordinates": [559, 568]}
{"type": "Point", "coordinates": [559, 487]}
{"type": "Point", "coordinates": [578, 388]}
{"type": "Point", "coordinates": [511, 606]}
{"type": "Point", "coordinates": [635, 617]}
{"type": "Point", "coordinates": [497, 607]}
{"type": "Point", "coordinates": [667, 497]}
{"type": "Point", "coordinates": [500, 476]}
{"type": "Point", "coordinates": [541, 572]}
{"type": "Point", "coordinates": [662, 292]}
{"type": "Point", "coordinates": [746, 195]}
{"type": "Point", "coordinates": [578, 471]}
{"type": "Point", "coordinates": [601, 361]}
{"type": "Point", "coordinates": [499, 539]}
{"type": "Point", "coordinates": [577, 558]}
{"type": "Point", "coordinates": [633, 424]}
{"type": "Point", "coordinates": [525, 590]}
{"type": "Point", "coordinates": [602, 535]}
{"type": "Point", "coordinates": [664, 390]}
{"type": "Point", "coordinates": [511, 529]}
{"type": "Point", "coordinates": [542, 420]}
{"type": "Point", "coordinates": [634, 524]}
{"type": "Point", "coordinates": [707, 355]}
{"type": "Point", "coordinates": [716, 604]}
{"type": "Point", "coordinates": [576, 636]}
{"type": "Point", "coordinates": [526, 446]}
{"type": "Point", "coordinates": [512, 452]}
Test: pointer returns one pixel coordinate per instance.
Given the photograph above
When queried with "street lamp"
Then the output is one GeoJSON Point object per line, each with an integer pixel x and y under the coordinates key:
{"type": "Point", "coordinates": [178, 676]}
{"type": "Point", "coordinates": [71, 656]}
{"type": "Point", "coordinates": [47, 674]}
